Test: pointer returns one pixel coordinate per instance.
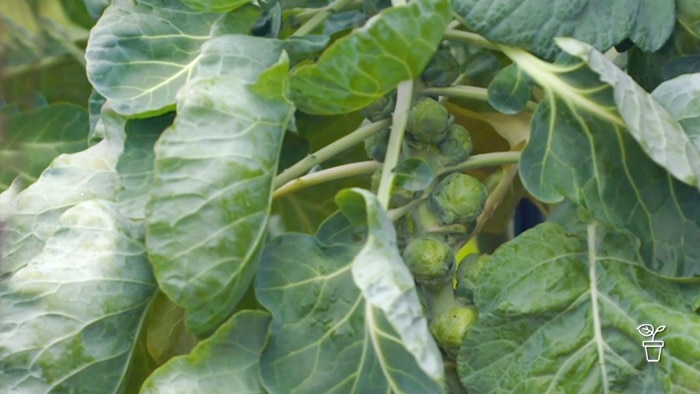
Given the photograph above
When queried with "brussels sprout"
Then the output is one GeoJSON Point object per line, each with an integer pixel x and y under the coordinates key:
{"type": "Point", "coordinates": [450, 327]}
{"type": "Point", "coordinates": [467, 276]}
{"type": "Point", "coordinates": [458, 198]}
{"type": "Point", "coordinates": [372, 7]}
{"type": "Point", "coordinates": [399, 195]}
{"type": "Point", "coordinates": [442, 70]}
{"type": "Point", "coordinates": [380, 109]}
{"type": "Point", "coordinates": [376, 145]}
{"type": "Point", "coordinates": [430, 260]}
{"type": "Point", "coordinates": [456, 147]}
{"type": "Point", "coordinates": [428, 121]}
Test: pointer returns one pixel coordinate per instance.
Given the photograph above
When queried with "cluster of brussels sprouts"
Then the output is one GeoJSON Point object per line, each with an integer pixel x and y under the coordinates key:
{"type": "Point", "coordinates": [445, 214]}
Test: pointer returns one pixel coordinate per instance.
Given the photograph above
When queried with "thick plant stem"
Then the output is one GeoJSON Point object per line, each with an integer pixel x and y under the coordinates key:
{"type": "Point", "coordinates": [330, 174]}
{"type": "Point", "coordinates": [440, 300]}
{"type": "Point", "coordinates": [470, 92]}
{"type": "Point", "coordinates": [393, 151]}
{"type": "Point", "coordinates": [483, 160]}
{"type": "Point", "coordinates": [329, 151]}
{"type": "Point", "coordinates": [318, 19]}
{"type": "Point", "coordinates": [469, 38]}
{"type": "Point", "coordinates": [368, 167]}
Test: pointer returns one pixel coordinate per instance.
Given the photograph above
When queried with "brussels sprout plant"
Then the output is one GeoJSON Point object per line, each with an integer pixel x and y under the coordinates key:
{"type": "Point", "coordinates": [349, 196]}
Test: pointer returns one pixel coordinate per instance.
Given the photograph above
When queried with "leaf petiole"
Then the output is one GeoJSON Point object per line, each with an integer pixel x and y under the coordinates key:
{"type": "Point", "coordinates": [327, 175]}
{"type": "Point", "coordinates": [329, 151]}
{"type": "Point", "coordinates": [404, 94]}
{"type": "Point", "coordinates": [321, 16]}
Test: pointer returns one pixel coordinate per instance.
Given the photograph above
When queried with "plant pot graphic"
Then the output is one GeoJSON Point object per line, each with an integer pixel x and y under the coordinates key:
{"type": "Point", "coordinates": [653, 350]}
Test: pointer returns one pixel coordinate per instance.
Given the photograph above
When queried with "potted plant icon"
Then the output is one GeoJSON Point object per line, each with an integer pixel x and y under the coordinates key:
{"type": "Point", "coordinates": [653, 347]}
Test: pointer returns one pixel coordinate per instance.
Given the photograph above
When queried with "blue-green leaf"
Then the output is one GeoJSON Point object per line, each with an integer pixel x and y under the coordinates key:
{"type": "Point", "coordinates": [346, 316]}
{"type": "Point", "coordinates": [227, 361]}
{"type": "Point", "coordinates": [141, 52]}
{"type": "Point", "coordinates": [212, 184]}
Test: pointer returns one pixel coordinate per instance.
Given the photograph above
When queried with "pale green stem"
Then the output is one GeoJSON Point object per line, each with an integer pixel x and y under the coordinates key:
{"type": "Point", "coordinates": [469, 92]}
{"type": "Point", "coordinates": [396, 213]}
{"type": "Point", "coordinates": [483, 160]}
{"type": "Point", "coordinates": [393, 150]}
{"type": "Point", "coordinates": [329, 151]}
{"type": "Point", "coordinates": [469, 38]}
{"type": "Point", "coordinates": [327, 175]}
{"type": "Point", "coordinates": [323, 14]}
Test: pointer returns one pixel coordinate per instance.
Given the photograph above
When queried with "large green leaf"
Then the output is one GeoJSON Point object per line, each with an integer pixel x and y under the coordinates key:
{"type": "Point", "coordinates": [346, 316]}
{"type": "Point", "coordinates": [216, 5]}
{"type": "Point", "coordinates": [532, 24]}
{"type": "Point", "coordinates": [659, 134]}
{"type": "Point", "coordinates": [211, 192]}
{"type": "Point", "coordinates": [226, 362]}
{"type": "Point", "coordinates": [158, 46]}
{"type": "Point", "coordinates": [56, 338]}
{"type": "Point", "coordinates": [135, 165]}
{"type": "Point", "coordinates": [69, 180]}
{"type": "Point", "coordinates": [579, 148]}
{"type": "Point", "coordinates": [34, 139]}
{"type": "Point", "coordinates": [510, 90]}
{"type": "Point", "coordinates": [680, 98]}
{"type": "Point", "coordinates": [559, 314]}
{"type": "Point", "coordinates": [358, 69]}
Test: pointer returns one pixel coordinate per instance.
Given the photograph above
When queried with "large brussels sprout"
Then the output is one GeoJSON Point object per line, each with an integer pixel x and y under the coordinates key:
{"type": "Point", "coordinates": [458, 198]}
{"type": "Point", "coordinates": [430, 260]}
{"type": "Point", "coordinates": [450, 327]}
{"type": "Point", "coordinates": [467, 276]}
{"type": "Point", "coordinates": [428, 121]}
{"type": "Point", "coordinates": [376, 145]}
{"type": "Point", "coordinates": [380, 109]}
{"type": "Point", "coordinates": [456, 147]}
{"type": "Point", "coordinates": [442, 70]}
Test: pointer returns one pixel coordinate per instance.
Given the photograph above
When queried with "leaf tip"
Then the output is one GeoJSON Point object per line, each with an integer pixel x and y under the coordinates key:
{"type": "Point", "coordinates": [573, 46]}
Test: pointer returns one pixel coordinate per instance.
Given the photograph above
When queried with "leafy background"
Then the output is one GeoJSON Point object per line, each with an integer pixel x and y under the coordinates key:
{"type": "Point", "coordinates": [142, 249]}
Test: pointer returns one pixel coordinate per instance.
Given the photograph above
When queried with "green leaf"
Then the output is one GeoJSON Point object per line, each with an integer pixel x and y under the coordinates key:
{"type": "Point", "coordinates": [560, 314]}
{"type": "Point", "coordinates": [659, 134]}
{"type": "Point", "coordinates": [69, 180]}
{"type": "Point", "coordinates": [216, 5]}
{"type": "Point", "coordinates": [35, 138]}
{"type": "Point", "coordinates": [580, 149]}
{"type": "Point", "coordinates": [56, 338]}
{"type": "Point", "coordinates": [358, 69]}
{"type": "Point", "coordinates": [328, 335]}
{"type": "Point", "coordinates": [213, 177]}
{"type": "Point", "coordinates": [413, 174]}
{"type": "Point", "coordinates": [680, 98]}
{"type": "Point", "coordinates": [532, 24]}
{"type": "Point", "coordinates": [160, 46]}
{"type": "Point", "coordinates": [510, 90]}
{"type": "Point", "coordinates": [228, 360]}
{"type": "Point", "coordinates": [681, 65]}
{"type": "Point", "coordinates": [166, 335]}
{"type": "Point", "coordinates": [135, 166]}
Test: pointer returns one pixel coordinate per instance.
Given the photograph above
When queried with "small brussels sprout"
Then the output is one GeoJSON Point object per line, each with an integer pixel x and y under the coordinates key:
{"type": "Point", "coordinates": [430, 260]}
{"type": "Point", "coordinates": [467, 276]}
{"type": "Point", "coordinates": [399, 195]}
{"type": "Point", "coordinates": [458, 198]}
{"type": "Point", "coordinates": [380, 109]}
{"type": "Point", "coordinates": [428, 121]}
{"type": "Point", "coordinates": [450, 327]}
{"type": "Point", "coordinates": [456, 147]}
{"type": "Point", "coordinates": [376, 145]}
{"type": "Point", "coordinates": [372, 7]}
{"type": "Point", "coordinates": [442, 70]}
